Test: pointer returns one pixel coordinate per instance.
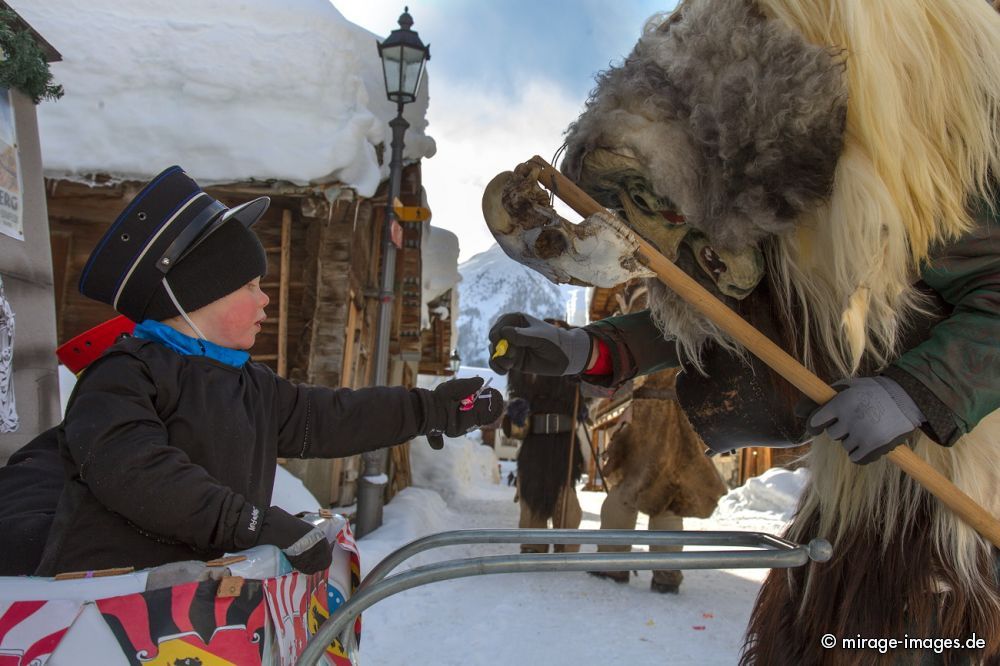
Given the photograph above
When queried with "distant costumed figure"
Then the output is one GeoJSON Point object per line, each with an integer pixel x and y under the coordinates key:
{"type": "Point", "coordinates": [656, 464]}
{"type": "Point", "coordinates": [540, 413]}
{"type": "Point", "coordinates": [827, 169]}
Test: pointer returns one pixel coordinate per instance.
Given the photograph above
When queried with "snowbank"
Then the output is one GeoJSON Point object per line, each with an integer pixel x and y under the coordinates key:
{"type": "Point", "coordinates": [464, 471]}
{"type": "Point", "coordinates": [229, 89]}
{"type": "Point", "coordinates": [291, 494]}
{"type": "Point", "coordinates": [774, 493]}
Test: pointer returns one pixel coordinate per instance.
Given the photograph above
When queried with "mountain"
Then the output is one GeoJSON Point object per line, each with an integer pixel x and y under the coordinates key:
{"type": "Point", "coordinates": [493, 284]}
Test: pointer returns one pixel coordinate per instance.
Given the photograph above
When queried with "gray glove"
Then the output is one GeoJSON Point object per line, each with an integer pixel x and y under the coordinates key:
{"type": "Point", "coordinates": [870, 416]}
{"type": "Point", "coordinates": [538, 347]}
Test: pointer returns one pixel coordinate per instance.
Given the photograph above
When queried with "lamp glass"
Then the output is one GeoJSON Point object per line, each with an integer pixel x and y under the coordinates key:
{"type": "Point", "coordinates": [403, 67]}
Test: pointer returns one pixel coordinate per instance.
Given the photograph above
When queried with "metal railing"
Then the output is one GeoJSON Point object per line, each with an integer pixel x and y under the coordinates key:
{"type": "Point", "coordinates": [766, 552]}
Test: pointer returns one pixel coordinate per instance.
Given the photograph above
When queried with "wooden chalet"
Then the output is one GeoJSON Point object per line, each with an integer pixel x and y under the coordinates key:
{"type": "Point", "coordinates": [324, 254]}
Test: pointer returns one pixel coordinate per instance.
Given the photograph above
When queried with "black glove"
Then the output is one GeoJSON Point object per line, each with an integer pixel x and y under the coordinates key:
{"type": "Point", "coordinates": [538, 347]}
{"type": "Point", "coordinates": [870, 416]}
{"type": "Point", "coordinates": [305, 546]}
{"type": "Point", "coordinates": [519, 410]}
{"type": "Point", "coordinates": [445, 413]}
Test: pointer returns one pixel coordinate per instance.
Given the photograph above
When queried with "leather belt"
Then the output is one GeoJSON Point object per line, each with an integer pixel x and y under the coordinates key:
{"type": "Point", "coordinates": [550, 424]}
{"type": "Point", "coordinates": [653, 393]}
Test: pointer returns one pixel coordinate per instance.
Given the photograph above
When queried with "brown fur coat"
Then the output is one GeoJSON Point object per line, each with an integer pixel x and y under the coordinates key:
{"type": "Point", "coordinates": [659, 460]}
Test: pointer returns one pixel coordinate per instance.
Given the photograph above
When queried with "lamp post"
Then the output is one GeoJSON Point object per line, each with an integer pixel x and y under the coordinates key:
{"type": "Point", "coordinates": [455, 361]}
{"type": "Point", "coordinates": [403, 57]}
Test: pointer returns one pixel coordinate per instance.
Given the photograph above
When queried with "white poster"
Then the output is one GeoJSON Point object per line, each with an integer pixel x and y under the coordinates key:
{"type": "Point", "coordinates": [11, 222]}
{"type": "Point", "coordinates": [8, 412]}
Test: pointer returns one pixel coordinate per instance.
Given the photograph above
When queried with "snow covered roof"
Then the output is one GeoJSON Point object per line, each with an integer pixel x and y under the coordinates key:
{"type": "Point", "coordinates": [439, 266]}
{"type": "Point", "coordinates": [232, 90]}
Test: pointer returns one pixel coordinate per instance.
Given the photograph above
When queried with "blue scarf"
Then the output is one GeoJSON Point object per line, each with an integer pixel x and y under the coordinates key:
{"type": "Point", "coordinates": [188, 346]}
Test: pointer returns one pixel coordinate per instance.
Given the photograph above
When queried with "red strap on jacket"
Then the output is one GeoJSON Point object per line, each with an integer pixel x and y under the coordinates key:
{"type": "Point", "coordinates": [602, 366]}
{"type": "Point", "coordinates": [84, 349]}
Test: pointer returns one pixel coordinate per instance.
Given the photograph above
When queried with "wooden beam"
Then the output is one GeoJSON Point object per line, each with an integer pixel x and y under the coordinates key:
{"type": "Point", "coordinates": [283, 280]}
{"type": "Point", "coordinates": [99, 211]}
{"type": "Point", "coordinates": [765, 460]}
{"type": "Point", "coordinates": [347, 365]}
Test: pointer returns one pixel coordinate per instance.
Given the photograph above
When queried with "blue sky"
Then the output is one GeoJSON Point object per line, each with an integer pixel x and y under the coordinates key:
{"type": "Point", "coordinates": [506, 79]}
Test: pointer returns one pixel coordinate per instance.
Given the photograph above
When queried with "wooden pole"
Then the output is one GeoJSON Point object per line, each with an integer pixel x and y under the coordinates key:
{"type": "Point", "coordinates": [766, 350]}
{"type": "Point", "coordinates": [594, 465]}
{"type": "Point", "coordinates": [286, 257]}
{"type": "Point", "coordinates": [347, 364]}
{"type": "Point", "coordinates": [765, 460]}
{"type": "Point", "coordinates": [569, 468]}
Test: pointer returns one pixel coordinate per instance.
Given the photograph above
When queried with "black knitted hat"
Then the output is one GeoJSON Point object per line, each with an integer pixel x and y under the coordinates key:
{"type": "Point", "coordinates": [174, 230]}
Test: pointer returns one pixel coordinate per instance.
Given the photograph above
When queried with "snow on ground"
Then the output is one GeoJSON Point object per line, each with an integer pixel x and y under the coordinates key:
{"type": "Point", "coordinates": [551, 619]}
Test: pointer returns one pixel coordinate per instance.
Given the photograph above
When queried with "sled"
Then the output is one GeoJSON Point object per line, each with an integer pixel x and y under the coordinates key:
{"type": "Point", "coordinates": [743, 550]}
{"type": "Point", "coordinates": [251, 608]}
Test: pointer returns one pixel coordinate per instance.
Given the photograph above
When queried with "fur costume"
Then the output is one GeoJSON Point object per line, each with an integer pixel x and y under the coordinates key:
{"type": "Point", "coordinates": [656, 462]}
{"type": "Point", "coordinates": [813, 164]}
{"type": "Point", "coordinates": [659, 461]}
{"type": "Point", "coordinates": [542, 459]}
{"type": "Point", "coordinates": [654, 472]}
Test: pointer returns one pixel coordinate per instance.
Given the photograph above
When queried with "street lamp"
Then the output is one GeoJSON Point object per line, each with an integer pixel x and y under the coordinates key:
{"type": "Point", "coordinates": [455, 361]}
{"type": "Point", "coordinates": [403, 56]}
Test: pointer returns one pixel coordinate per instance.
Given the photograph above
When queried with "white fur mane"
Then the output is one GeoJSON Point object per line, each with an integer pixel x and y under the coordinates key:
{"type": "Point", "coordinates": [923, 135]}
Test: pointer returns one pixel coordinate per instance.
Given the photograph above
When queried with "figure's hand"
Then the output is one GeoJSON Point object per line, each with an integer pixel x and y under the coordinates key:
{"type": "Point", "coordinates": [518, 411]}
{"type": "Point", "coordinates": [305, 546]}
{"type": "Point", "coordinates": [538, 347]}
{"type": "Point", "coordinates": [445, 413]}
{"type": "Point", "coordinates": [870, 416]}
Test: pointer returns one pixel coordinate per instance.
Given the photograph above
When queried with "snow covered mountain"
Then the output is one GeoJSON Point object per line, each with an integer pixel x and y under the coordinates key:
{"type": "Point", "coordinates": [493, 284]}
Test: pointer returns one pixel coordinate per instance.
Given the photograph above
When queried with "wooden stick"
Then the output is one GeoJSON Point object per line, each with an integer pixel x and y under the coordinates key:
{"type": "Point", "coordinates": [99, 573]}
{"type": "Point", "coordinates": [764, 349]}
{"type": "Point", "coordinates": [569, 469]}
{"type": "Point", "coordinates": [283, 279]}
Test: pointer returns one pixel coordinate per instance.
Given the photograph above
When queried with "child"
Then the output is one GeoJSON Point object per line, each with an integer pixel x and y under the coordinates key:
{"type": "Point", "coordinates": [170, 438]}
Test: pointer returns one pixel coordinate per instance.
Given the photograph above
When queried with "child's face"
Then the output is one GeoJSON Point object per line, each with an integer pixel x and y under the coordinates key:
{"type": "Point", "coordinates": [235, 319]}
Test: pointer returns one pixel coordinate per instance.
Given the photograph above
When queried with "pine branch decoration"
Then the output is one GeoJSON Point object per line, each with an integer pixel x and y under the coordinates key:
{"type": "Point", "coordinates": [23, 65]}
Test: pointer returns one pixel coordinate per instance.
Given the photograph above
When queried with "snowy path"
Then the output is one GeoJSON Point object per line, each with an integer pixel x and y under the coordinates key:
{"type": "Point", "coordinates": [552, 619]}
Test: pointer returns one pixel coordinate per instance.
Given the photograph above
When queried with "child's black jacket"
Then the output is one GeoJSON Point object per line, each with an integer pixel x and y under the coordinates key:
{"type": "Point", "coordinates": [169, 455]}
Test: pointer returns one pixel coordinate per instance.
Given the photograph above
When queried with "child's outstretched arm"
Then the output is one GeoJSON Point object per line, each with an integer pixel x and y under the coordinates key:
{"type": "Point", "coordinates": [320, 422]}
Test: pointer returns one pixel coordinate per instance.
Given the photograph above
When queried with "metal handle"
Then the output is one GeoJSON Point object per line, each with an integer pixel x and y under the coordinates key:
{"type": "Point", "coordinates": [774, 553]}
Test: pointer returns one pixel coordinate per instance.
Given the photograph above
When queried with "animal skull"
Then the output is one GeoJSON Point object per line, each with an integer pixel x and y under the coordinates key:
{"type": "Point", "coordinates": [598, 252]}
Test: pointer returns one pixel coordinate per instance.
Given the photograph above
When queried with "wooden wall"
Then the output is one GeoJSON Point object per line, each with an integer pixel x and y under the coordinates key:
{"type": "Point", "coordinates": [79, 215]}
{"type": "Point", "coordinates": [436, 341]}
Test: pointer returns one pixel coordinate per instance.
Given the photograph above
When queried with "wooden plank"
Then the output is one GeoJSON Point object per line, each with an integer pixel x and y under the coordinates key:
{"type": "Point", "coordinates": [347, 364]}
{"type": "Point", "coordinates": [765, 460]}
{"type": "Point", "coordinates": [283, 280]}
